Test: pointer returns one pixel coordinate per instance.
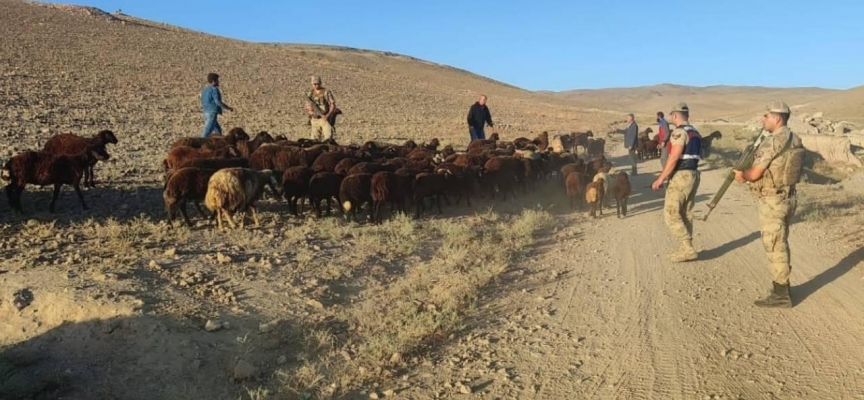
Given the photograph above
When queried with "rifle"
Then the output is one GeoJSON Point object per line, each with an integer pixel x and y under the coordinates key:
{"type": "Point", "coordinates": [319, 112]}
{"type": "Point", "coordinates": [743, 163]}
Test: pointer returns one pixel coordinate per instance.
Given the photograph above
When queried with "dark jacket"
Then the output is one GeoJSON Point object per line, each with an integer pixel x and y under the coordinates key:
{"type": "Point", "coordinates": [478, 115]}
{"type": "Point", "coordinates": [630, 135]}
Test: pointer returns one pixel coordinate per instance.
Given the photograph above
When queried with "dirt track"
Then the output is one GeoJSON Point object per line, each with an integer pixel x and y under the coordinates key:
{"type": "Point", "coordinates": [603, 314]}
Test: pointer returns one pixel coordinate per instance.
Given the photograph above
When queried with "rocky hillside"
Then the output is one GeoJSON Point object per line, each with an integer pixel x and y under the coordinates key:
{"type": "Point", "coordinates": [67, 68]}
{"type": "Point", "coordinates": [707, 103]}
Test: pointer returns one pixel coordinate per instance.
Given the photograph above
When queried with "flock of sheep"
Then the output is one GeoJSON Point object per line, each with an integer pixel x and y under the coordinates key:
{"type": "Point", "coordinates": [230, 173]}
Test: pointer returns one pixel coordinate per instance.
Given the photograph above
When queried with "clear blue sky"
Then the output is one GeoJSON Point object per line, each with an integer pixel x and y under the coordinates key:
{"type": "Point", "coordinates": [562, 45]}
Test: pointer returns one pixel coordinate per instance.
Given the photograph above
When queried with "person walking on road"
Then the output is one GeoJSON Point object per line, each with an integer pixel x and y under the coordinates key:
{"type": "Point", "coordinates": [682, 170]}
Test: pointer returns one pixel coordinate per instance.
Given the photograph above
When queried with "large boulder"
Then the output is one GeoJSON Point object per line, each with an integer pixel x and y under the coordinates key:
{"type": "Point", "coordinates": [833, 148]}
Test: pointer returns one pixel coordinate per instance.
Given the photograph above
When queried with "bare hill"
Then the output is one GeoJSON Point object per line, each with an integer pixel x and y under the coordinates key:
{"type": "Point", "coordinates": [847, 105]}
{"type": "Point", "coordinates": [712, 102]}
{"type": "Point", "coordinates": [74, 68]}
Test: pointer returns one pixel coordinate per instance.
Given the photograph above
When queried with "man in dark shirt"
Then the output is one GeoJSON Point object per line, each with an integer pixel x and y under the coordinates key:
{"type": "Point", "coordinates": [478, 116]}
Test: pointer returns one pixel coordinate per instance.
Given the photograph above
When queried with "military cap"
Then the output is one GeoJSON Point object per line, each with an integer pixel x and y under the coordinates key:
{"type": "Point", "coordinates": [316, 79]}
{"type": "Point", "coordinates": [778, 107]}
{"type": "Point", "coordinates": [682, 106]}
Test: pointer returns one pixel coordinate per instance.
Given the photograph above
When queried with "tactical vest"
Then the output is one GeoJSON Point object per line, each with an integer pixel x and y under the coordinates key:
{"type": "Point", "coordinates": [690, 158]}
{"type": "Point", "coordinates": [320, 98]}
{"type": "Point", "coordinates": [785, 169]}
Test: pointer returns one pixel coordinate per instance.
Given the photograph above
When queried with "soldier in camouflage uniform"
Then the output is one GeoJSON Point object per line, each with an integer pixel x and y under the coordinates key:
{"type": "Point", "coordinates": [777, 166]}
{"type": "Point", "coordinates": [321, 128]}
{"type": "Point", "coordinates": [682, 170]}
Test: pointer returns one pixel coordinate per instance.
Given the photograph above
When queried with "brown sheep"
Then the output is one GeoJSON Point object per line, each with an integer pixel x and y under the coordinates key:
{"type": "Point", "coordinates": [295, 186]}
{"type": "Point", "coordinates": [247, 147]}
{"type": "Point", "coordinates": [69, 144]}
{"type": "Point", "coordinates": [328, 161]}
{"type": "Point", "coordinates": [39, 168]}
{"type": "Point", "coordinates": [426, 185]}
{"type": "Point", "coordinates": [344, 165]}
{"type": "Point", "coordinates": [481, 143]}
{"type": "Point", "coordinates": [234, 189]}
{"type": "Point", "coordinates": [621, 190]}
{"type": "Point", "coordinates": [179, 155]}
{"type": "Point", "coordinates": [324, 186]}
{"type": "Point", "coordinates": [215, 163]}
{"type": "Point", "coordinates": [385, 188]}
{"type": "Point", "coordinates": [213, 142]}
{"type": "Point", "coordinates": [596, 146]}
{"type": "Point", "coordinates": [184, 185]}
{"type": "Point", "coordinates": [575, 184]}
{"type": "Point", "coordinates": [369, 168]}
{"type": "Point", "coordinates": [278, 158]}
{"type": "Point", "coordinates": [354, 191]}
{"type": "Point", "coordinates": [594, 196]}
{"type": "Point", "coordinates": [499, 174]}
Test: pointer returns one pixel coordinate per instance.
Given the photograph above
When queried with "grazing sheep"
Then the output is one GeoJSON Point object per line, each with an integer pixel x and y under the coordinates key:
{"type": "Point", "coordinates": [594, 196]}
{"type": "Point", "coordinates": [39, 168]}
{"type": "Point", "coordinates": [295, 186]}
{"type": "Point", "coordinates": [354, 191]}
{"type": "Point", "coordinates": [575, 184]}
{"type": "Point", "coordinates": [596, 146]}
{"type": "Point", "coordinates": [247, 147]}
{"type": "Point", "coordinates": [69, 144]}
{"type": "Point", "coordinates": [234, 189]}
{"type": "Point", "coordinates": [481, 143]}
{"type": "Point", "coordinates": [621, 190]}
{"type": "Point", "coordinates": [344, 165]}
{"type": "Point", "coordinates": [324, 186]}
{"type": "Point", "coordinates": [184, 185]}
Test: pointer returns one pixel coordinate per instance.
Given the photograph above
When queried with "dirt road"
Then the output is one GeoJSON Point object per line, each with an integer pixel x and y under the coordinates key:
{"type": "Point", "coordinates": [601, 313]}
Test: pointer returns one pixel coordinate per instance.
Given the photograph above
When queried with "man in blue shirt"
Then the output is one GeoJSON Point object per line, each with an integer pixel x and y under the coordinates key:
{"type": "Point", "coordinates": [212, 105]}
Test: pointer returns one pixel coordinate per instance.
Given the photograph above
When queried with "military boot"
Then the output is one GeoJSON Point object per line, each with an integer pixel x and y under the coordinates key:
{"type": "Point", "coordinates": [779, 297]}
{"type": "Point", "coordinates": [685, 253]}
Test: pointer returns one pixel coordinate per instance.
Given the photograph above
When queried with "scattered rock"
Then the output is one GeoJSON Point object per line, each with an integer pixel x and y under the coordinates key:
{"type": "Point", "coordinates": [315, 304]}
{"type": "Point", "coordinates": [170, 252]}
{"type": "Point", "coordinates": [389, 393]}
{"type": "Point", "coordinates": [268, 327]}
{"type": "Point", "coordinates": [223, 259]}
{"type": "Point", "coordinates": [281, 360]}
{"type": "Point", "coordinates": [212, 326]}
{"type": "Point", "coordinates": [22, 298]}
{"type": "Point", "coordinates": [464, 389]}
{"type": "Point", "coordinates": [374, 395]}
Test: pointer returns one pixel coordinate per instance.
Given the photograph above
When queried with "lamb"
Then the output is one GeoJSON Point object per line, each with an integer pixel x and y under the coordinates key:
{"type": "Point", "coordinates": [40, 168]}
{"type": "Point", "coordinates": [621, 190]}
{"type": "Point", "coordinates": [324, 186]}
{"type": "Point", "coordinates": [184, 185]}
{"type": "Point", "coordinates": [233, 189]}
{"type": "Point", "coordinates": [354, 191]}
{"type": "Point", "coordinates": [575, 184]}
{"type": "Point", "coordinates": [69, 144]}
{"type": "Point", "coordinates": [295, 186]}
{"type": "Point", "coordinates": [594, 196]}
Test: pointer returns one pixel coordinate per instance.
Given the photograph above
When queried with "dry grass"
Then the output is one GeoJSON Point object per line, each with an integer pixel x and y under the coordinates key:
{"type": "Point", "coordinates": [394, 323]}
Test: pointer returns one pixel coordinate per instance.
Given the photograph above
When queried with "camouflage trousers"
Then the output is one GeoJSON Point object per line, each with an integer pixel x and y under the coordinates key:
{"type": "Point", "coordinates": [680, 198]}
{"type": "Point", "coordinates": [321, 129]}
{"type": "Point", "coordinates": [775, 216]}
